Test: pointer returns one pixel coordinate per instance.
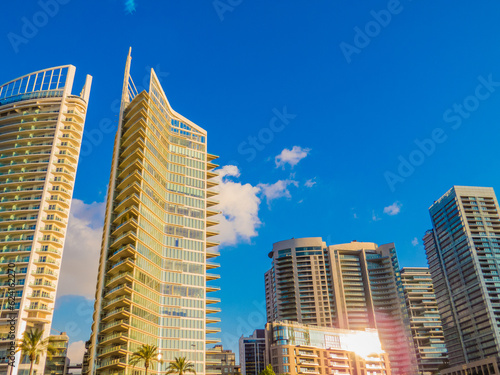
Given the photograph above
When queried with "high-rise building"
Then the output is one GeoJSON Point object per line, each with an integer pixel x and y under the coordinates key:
{"type": "Point", "coordinates": [153, 282]}
{"type": "Point", "coordinates": [252, 352]}
{"type": "Point", "coordinates": [350, 286]}
{"type": "Point", "coordinates": [294, 349]}
{"type": "Point", "coordinates": [41, 129]}
{"type": "Point", "coordinates": [59, 363]}
{"type": "Point", "coordinates": [221, 361]}
{"type": "Point", "coordinates": [463, 251]}
{"type": "Point", "coordinates": [425, 322]}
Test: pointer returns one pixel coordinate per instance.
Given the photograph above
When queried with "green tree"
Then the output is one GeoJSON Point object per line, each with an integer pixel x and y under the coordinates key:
{"type": "Point", "coordinates": [147, 354]}
{"type": "Point", "coordinates": [33, 345]}
{"type": "Point", "coordinates": [267, 371]}
{"type": "Point", "coordinates": [180, 366]}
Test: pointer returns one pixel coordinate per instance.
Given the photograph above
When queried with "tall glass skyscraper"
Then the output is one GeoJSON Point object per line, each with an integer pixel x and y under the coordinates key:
{"type": "Point", "coordinates": [41, 129]}
{"type": "Point", "coordinates": [351, 286]}
{"type": "Point", "coordinates": [463, 251]}
{"type": "Point", "coordinates": [153, 282]}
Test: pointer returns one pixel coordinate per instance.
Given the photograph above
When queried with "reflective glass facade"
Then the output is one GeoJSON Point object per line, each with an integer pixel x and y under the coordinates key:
{"type": "Point", "coordinates": [153, 280]}
{"type": "Point", "coordinates": [294, 349]}
{"type": "Point", "coordinates": [463, 251]}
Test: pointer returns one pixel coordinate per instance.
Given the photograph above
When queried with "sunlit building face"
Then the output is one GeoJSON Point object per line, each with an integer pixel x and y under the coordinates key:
{"type": "Point", "coordinates": [41, 130]}
{"type": "Point", "coordinates": [152, 284]}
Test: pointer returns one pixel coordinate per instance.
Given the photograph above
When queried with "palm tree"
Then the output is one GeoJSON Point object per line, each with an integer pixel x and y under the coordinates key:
{"type": "Point", "coordinates": [180, 366]}
{"type": "Point", "coordinates": [146, 353]}
{"type": "Point", "coordinates": [33, 346]}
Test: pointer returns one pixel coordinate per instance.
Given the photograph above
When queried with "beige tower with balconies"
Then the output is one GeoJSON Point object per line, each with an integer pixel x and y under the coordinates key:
{"type": "Point", "coordinates": [41, 129]}
{"type": "Point", "coordinates": [153, 274]}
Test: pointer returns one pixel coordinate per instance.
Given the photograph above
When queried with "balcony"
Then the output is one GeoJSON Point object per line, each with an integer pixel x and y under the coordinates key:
{"type": "Point", "coordinates": [212, 276]}
{"type": "Point", "coordinates": [128, 225]}
{"type": "Point", "coordinates": [46, 285]}
{"type": "Point", "coordinates": [50, 251]}
{"type": "Point", "coordinates": [49, 273]}
{"type": "Point", "coordinates": [119, 279]}
{"type": "Point", "coordinates": [115, 325]}
{"type": "Point", "coordinates": [127, 238]}
{"type": "Point", "coordinates": [121, 313]}
{"type": "Point", "coordinates": [113, 350]}
{"type": "Point", "coordinates": [121, 301]}
{"type": "Point", "coordinates": [118, 363]}
{"type": "Point", "coordinates": [212, 289]}
{"type": "Point", "coordinates": [114, 338]}
{"type": "Point", "coordinates": [123, 265]}
{"type": "Point", "coordinates": [120, 290]}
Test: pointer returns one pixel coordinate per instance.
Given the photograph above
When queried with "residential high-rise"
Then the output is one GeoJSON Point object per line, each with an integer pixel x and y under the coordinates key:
{"type": "Point", "coordinates": [221, 361]}
{"type": "Point", "coordinates": [252, 352]}
{"type": "Point", "coordinates": [41, 129]}
{"type": "Point", "coordinates": [463, 251]}
{"type": "Point", "coordinates": [425, 322]}
{"type": "Point", "coordinates": [59, 363]}
{"type": "Point", "coordinates": [153, 282]}
{"type": "Point", "coordinates": [294, 349]}
{"type": "Point", "coordinates": [350, 286]}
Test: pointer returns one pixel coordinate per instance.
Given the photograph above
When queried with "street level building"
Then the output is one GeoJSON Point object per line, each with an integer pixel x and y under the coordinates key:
{"type": "Point", "coordinates": [299, 349]}
{"type": "Point", "coordinates": [221, 361]}
{"type": "Point", "coordinates": [252, 352]}
{"type": "Point", "coordinates": [59, 363]}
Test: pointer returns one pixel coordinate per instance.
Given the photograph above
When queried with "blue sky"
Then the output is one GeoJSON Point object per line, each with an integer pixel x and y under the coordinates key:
{"type": "Point", "coordinates": [363, 85]}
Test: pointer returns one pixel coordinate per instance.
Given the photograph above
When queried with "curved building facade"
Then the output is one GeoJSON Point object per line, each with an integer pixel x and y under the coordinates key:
{"type": "Point", "coordinates": [41, 129]}
{"type": "Point", "coordinates": [351, 286]}
{"type": "Point", "coordinates": [154, 271]}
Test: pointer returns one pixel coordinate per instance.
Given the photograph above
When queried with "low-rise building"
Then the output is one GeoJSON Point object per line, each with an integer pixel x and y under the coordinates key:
{"type": "Point", "coordinates": [252, 352]}
{"type": "Point", "coordinates": [221, 361]}
{"type": "Point", "coordinates": [58, 364]}
{"type": "Point", "coordinates": [299, 349]}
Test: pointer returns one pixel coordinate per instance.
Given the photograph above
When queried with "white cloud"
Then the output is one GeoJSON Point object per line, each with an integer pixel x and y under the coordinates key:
{"type": "Point", "coordinates": [393, 209]}
{"type": "Point", "coordinates": [229, 170]}
{"type": "Point", "coordinates": [239, 206]}
{"type": "Point", "coordinates": [291, 157]}
{"type": "Point", "coordinates": [76, 351]}
{"type": "Point", "coordinates": [310, 183]}
{"type": "Point", "coordinates": [414, 242]}
{"type": "Point", "coordinates": [355, 215]}
{"type": "Point", "coordinates": [82, 249]}
{"type": "Point", "coordinates": [277, 190]}
{"type": "Point", "coordinates": [375, 217]}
